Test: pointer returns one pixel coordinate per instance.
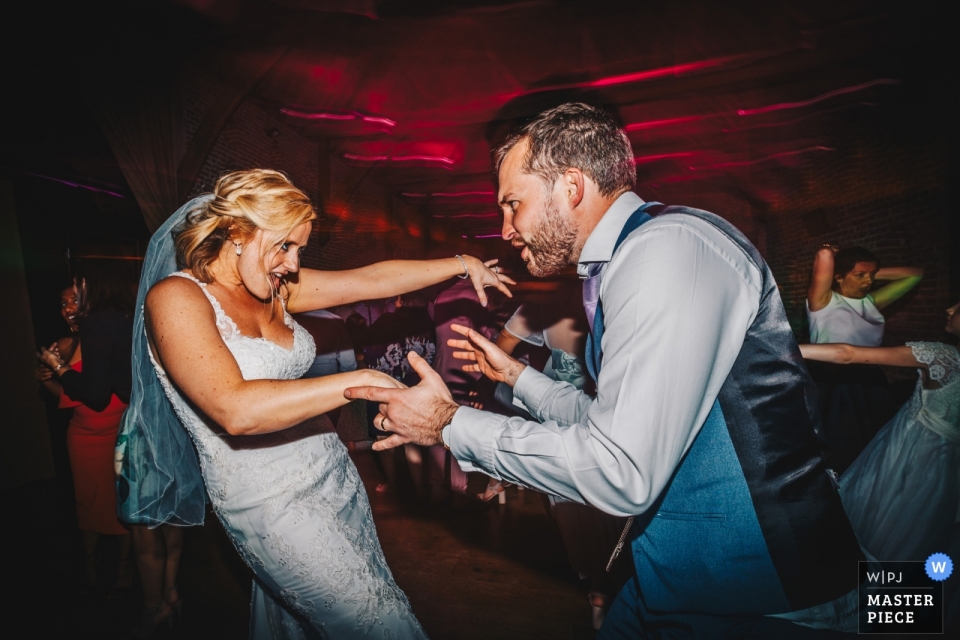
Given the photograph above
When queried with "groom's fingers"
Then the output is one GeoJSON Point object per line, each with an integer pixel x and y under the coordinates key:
{"type": "Point", "coordinates": [423, 368]}
{"type": "Point", "coordinates": [465, 355]}
{"type": "Point", "coordinates": [373, 394]}
{"type": "Point", "coordinates": [389, 443]}
{"type": "Point", "coordinates": [475, 337]}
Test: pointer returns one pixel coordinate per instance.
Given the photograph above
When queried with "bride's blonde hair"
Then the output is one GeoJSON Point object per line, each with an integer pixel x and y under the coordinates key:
{"type": "Point", "coordinates": [243, 202]}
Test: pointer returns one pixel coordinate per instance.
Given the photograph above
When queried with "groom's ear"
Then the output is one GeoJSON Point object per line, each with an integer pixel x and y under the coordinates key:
{"type": "Point", "coordinates": [573, 184]}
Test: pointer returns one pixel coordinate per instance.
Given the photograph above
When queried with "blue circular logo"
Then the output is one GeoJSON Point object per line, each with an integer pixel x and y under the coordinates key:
{"type": "Point", "coordinates": [939, 566]}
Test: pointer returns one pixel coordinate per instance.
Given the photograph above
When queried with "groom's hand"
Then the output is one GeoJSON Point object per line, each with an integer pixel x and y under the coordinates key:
{"type": "Point", "coordinates": [488, 358]}
{"type": "Point", "coordinates": [417, 414]}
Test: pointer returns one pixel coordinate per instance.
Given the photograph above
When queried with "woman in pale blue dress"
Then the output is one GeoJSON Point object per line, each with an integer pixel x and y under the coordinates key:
{"type": "Point", "coordinates": [902, 494]}
{"type": "Point", "coordinates": [217, 344]}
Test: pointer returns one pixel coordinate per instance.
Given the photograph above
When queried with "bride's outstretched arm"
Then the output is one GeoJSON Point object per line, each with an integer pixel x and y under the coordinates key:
{"type": "Point", "coordinates": [181, 326]}
{"type": "Point", "coordinates": [850, 354]}
{"type": "Point", "coordinates": [313, 289]}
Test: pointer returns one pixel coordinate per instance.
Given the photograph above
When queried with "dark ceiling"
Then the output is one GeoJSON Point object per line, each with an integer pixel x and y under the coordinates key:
{"type": "Point", "coordinates": [720, 97]}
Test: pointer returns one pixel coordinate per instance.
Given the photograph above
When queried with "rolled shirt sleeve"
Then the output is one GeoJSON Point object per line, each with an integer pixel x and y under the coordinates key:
{"type": "Point", "coordinates": [678, 298]}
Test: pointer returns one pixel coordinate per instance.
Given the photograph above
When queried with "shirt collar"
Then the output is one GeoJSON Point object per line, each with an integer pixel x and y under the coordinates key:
{"type": "Point", "coordinates": [599, 245]}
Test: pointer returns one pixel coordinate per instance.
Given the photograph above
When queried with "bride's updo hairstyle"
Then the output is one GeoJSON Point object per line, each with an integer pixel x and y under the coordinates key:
{"type": "Point", "coordinates": [242, 203]}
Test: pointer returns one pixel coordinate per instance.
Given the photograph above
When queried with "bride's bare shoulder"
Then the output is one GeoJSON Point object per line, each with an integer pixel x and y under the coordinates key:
{"type": "Point", "coordinates": [173, 292]}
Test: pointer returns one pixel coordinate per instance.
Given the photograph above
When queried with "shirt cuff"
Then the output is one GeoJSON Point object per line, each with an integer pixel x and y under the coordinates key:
{"type": "Point", "coordinates": [471, 436]}
{"type": "Point", "coordinates": [530, 389]}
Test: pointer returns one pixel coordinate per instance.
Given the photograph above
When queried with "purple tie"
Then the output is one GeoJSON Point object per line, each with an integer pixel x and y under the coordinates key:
{"type": "Point", "coordinates": [591, 290]}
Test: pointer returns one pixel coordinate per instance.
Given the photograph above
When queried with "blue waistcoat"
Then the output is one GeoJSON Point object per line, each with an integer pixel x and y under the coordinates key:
{"type": "Point", "coordinates": [750, 523]}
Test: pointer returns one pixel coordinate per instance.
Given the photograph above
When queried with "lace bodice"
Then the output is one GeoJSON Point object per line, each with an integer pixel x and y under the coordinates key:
{"type": "Point", "coordinates": [259, 358]}
{"type": "Point", "coordinates": [940, 406]}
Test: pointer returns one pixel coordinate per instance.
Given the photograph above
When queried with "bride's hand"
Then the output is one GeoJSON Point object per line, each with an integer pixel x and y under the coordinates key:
{"type": "Point", "coordinates": [487, 274]}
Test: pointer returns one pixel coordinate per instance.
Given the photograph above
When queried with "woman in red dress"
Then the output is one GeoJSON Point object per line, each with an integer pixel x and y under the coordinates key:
{"type": "Point", "coordinates": [95, 392]}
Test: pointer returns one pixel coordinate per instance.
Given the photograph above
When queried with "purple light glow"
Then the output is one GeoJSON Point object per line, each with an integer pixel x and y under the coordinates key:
{"type": "Point", "coordinates": [76, 185]}
{"type": "Point", "coordinates": [820, 98]}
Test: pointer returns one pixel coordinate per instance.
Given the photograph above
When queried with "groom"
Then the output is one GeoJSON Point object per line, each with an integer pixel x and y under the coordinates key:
{"type": "Point", "coordinates": [704, 425]}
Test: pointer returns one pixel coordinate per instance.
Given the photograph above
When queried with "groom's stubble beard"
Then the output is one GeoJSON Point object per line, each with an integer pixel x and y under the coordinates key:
{"type": "Point", "coordinates": [553, 243]}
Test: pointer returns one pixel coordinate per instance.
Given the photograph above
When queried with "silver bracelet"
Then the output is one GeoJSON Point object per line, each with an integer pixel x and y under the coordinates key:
{"type": "Point", "coordinates": [466, 272]}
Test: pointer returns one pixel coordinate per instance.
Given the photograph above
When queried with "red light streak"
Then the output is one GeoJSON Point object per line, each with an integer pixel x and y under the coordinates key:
{"type": "Point", "coordinates": [467, 215]}
{"type": "Point", "coordinates": [659, 73]}
{"type": "Point", "coordinates": [321, 115]}
{"type": "Point", "coordinates": [820, 98]}
{"type": "Point", "coordinates": [743, 163]}
{"type": "Point", "coordinates": [441, 159]}
{"type": "Point", "coordinates": [653, 124]}
{"type": "Point", "coordinates": [350, 156]}
{"type": "Point", "coordinates": [664, 156]}
{"type": "Point", "coordinates": [639, 76]}
{"type": "Point", "coordinates": [445, 194]}
{"type": "Point", "coordinates": [768, 125]}
{"type": "Point", "coordinates": [492, 235]}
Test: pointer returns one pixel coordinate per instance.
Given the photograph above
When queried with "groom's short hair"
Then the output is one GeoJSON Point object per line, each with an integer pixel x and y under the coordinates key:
{"type": "Point", "coordinates": [576, 135]}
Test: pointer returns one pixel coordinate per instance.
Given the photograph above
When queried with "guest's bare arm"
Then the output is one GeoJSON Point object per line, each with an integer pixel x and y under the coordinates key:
{"type": "Point", "coordinates": [314, 289]}
{"type": "Point", "coordinates": [184, 338]}
{"type": "Point", "coordinates": [903, 280]}
{"type": "Point", "coordinates": [850, 354]}
{"type": "Point", "coordinates": [821, 281]}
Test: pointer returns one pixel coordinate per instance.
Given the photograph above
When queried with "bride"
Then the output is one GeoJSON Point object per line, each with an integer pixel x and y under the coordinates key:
{"type": "Point", "coordinates": [228, 357]}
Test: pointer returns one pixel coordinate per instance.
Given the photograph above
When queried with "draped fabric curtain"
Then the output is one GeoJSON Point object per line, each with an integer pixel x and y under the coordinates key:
{"type": "Point", "coordinates": [143, 129]}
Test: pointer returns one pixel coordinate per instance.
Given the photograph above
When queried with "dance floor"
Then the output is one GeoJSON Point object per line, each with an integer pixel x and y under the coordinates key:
{"type": "Point", "coordinates": [484, 571]}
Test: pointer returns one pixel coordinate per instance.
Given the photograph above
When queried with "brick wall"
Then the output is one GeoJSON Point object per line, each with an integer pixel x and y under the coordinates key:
{"type": "Point", "coordinates": [246, 142]}
{"type": "Point", "coordinates": [888, 196]}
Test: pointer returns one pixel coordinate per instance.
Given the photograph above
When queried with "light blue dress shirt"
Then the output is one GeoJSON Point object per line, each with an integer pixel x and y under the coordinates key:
{"type": "Point", "coordinates": [678, 297]}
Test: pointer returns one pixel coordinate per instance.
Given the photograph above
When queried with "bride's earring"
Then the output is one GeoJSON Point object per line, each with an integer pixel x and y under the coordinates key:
{"type": "Point", "coordinates": [239, 247]}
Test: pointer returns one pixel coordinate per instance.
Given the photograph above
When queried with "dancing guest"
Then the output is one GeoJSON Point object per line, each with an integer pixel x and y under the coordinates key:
{"type": "Point", "coordinates": [854, 401]}
{"type": "Point", "coordinates": [457, 304]}
{"type": "Point", "coordinates": [841, 307]}
{"type": "Point", "coordinates": [902, 494]}
{"type": "Point", "coordinates": [588, 533]}
{"type": "Point", "coordinates": [391, 337]}
{"type": "Point", "coordinates": [94, 374]}
{"type": "Point", "coordinates": [700, 427]}
{"type": "Point", "coordinates": [220, 340]}
{"type": "Point", "coordinates": [58, 419]}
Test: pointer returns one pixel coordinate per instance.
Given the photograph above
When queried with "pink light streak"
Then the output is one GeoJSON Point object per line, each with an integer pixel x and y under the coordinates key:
{"type": "Point", "coordinates": [440, 159]}
{"type": "Point", "coordinates": [76, 185]}
{"type": "Point", "coordinates": [820, 98]}
{"type": "Point", "coordinates": [743, 163]}
{"type": "Point", "coordinates": [492, 235]}
{"type": "Point", "coordinates": [322, 115]}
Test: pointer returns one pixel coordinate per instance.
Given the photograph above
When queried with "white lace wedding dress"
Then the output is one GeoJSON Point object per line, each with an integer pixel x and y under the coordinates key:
{"type": "Point", "coordinates": [296, 510]}
{"type": "Point", "coordinates": [902, 494]}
